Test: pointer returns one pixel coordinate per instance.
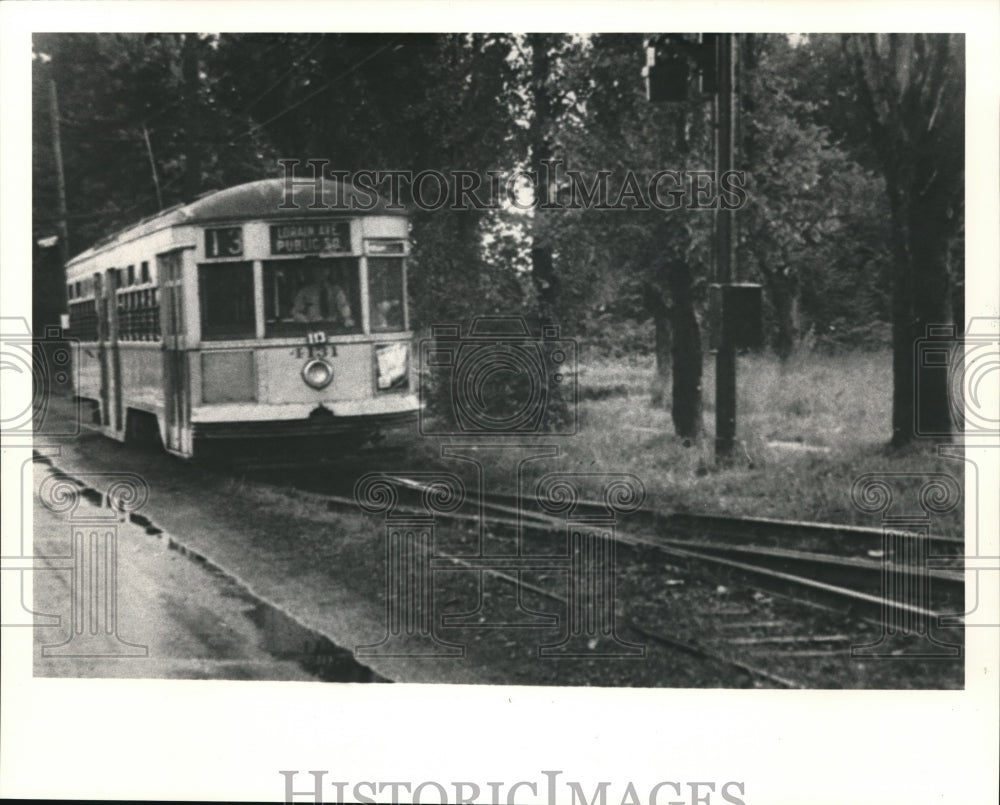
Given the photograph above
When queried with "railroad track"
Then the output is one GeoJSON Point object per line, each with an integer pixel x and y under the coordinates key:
{"type": "Point", "coordinates": [710, 651]}
{"type": "Point", "coordinates": [849, 576]}
{"type": "Point", "coordinates": [847, 540]}
{"type": "Point", "coordinates": [838, 586]}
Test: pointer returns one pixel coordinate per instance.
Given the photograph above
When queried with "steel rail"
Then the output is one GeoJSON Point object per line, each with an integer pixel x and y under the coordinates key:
{"type": "Point", "coordinates": [831, 596]}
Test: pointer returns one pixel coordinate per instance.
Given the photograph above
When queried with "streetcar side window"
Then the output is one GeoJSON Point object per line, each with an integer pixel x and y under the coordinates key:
{"type": "Point", "coordinates": [385, 292]}
{"type": "Point", "coordinates": [83, 320]}
{"type": "Point", "coordinates": [311, 294]}
{"type": "Point", "coordinates": [227, 306]}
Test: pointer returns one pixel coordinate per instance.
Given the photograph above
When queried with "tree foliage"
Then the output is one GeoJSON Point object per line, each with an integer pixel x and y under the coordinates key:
{"type": "Point", "coordinates": [852, 148]}
{"type": "Point", "coordinates": [812, 233]}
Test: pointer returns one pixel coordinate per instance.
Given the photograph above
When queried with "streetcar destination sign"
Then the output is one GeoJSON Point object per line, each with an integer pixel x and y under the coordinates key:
{"type": "Point", "coordinates": [311, 237]}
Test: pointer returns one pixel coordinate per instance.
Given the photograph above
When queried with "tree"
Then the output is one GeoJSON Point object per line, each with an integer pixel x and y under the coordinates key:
{"type": "Point", "coordinates": [677, 281]}
{"type": "Point", "coordinates": [912, 88]}
{"type": "Point", "coordinates": [544, 99]}
{"type": "Point", "coordinates": [646, 265]}
{"type": "Point", "coordinates": [812, 220]}
{"type": "Point", "coordinates": [115, 90]}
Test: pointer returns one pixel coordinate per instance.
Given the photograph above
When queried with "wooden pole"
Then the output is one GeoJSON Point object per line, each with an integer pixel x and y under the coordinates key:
{"type": "Point", "coordinates": [725, 255]}
{"type": "Point", "coordinates": [60, 188]}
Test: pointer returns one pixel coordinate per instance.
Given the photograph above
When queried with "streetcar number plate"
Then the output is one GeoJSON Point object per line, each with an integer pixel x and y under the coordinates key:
{"type": "Point", "coordinates": [315, 351]}
{"type": "Point", "coordinates": [225, 242]}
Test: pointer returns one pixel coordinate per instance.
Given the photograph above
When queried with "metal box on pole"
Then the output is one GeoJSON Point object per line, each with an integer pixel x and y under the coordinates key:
{"type": "Point", "coordinates": [735, 315]}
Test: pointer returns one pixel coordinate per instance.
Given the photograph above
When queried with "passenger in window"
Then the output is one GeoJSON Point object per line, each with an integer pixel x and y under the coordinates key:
{"type": "Point", "coordinates": [321, 299]}
{"type": "Point", "coordinates": [388, 315]}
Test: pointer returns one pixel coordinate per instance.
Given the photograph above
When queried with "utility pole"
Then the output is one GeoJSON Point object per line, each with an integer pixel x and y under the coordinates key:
{"type": "Point", "coordinates": [60, 188]}
{"type": "Point", "coordinates": [725, 252]}
{"type": "Point", "coordinates": [735, 307]}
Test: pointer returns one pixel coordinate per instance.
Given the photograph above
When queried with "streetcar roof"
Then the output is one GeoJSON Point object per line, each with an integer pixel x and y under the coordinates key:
{"type": "Point", "coordinates": [266, 199]}
{"type": "Point", "coordinates": [253, 201]}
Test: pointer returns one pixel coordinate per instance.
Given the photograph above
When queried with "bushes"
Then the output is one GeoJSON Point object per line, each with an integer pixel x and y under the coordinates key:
{"type": "Point", "coordinates": [606, 336]}
{"type": "Point", "coordinates": [843, 336]}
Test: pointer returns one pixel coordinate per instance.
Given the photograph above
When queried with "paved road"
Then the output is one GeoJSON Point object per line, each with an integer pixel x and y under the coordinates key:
{"type": "Point", "coordinates": [175, 618]}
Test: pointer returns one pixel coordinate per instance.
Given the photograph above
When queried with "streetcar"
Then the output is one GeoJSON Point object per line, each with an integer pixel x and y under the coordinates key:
{"type": "Point", "coordinates": [259, 312]}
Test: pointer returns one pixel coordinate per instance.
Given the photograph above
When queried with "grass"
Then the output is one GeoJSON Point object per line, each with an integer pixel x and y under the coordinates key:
{"type": "Point", "coordinates": [806, 430]}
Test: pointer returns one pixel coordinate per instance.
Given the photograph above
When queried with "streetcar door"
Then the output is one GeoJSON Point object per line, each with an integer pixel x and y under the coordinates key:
{"type": "Point", "coordinates": [101, 300]}
{"type": "Point", "coordinates": [176, 402]}
{"type": "Point", "coordinates": [113, 355]}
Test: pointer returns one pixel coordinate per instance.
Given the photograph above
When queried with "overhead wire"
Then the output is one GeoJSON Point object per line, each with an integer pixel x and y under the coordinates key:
{"type": "Point", "coordinates": [284, 75]}
{"type": "Point", "coordinates": [257, 127]}
{"type": "Point", "coordinates": [326, 85]}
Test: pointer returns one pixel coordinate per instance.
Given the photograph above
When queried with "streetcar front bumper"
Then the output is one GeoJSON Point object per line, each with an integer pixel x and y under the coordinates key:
{"type": "Point", "coordinates": [234, 420]}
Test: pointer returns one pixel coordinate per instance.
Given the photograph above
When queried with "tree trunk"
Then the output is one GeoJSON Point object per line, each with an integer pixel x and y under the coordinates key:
{"type": "Point", "coordinates": [543, 271]}
{"type": "Point", "coordinates": [685, 352]}
{"type": "Point", "coordinates": [675, 275]}
{"type": "Point", "coordinates": [902, 323]}
{"type": "Point", "coordinates": [546, 284]}
{"type": "Point", "coordinates": [921, 300]}
{"type": "Point", "coordinates": [660, 392]}
{"type": "Point", "coordinates": [466, 278]}
{"type": "Point", "coordinates": [956, 270]}
{"type": "Point", "coordinates": [782, 292]}
{"type": "Point", "coordinates": [932, 315]}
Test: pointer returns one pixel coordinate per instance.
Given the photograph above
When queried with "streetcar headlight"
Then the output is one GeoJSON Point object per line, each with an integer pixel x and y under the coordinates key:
{"type": "Point", "coordinates": [392, 363]}
{"type": "Point", "coordinates": [317, 373]}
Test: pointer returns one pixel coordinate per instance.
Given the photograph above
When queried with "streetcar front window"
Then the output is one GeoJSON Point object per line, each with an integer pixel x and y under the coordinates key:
{"type": "Point", "coordinates": [385, 291]}
{"type": "Point", "coordinates": [301, 296]}
{"type": "Point", "coordinates": [227, 307]}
